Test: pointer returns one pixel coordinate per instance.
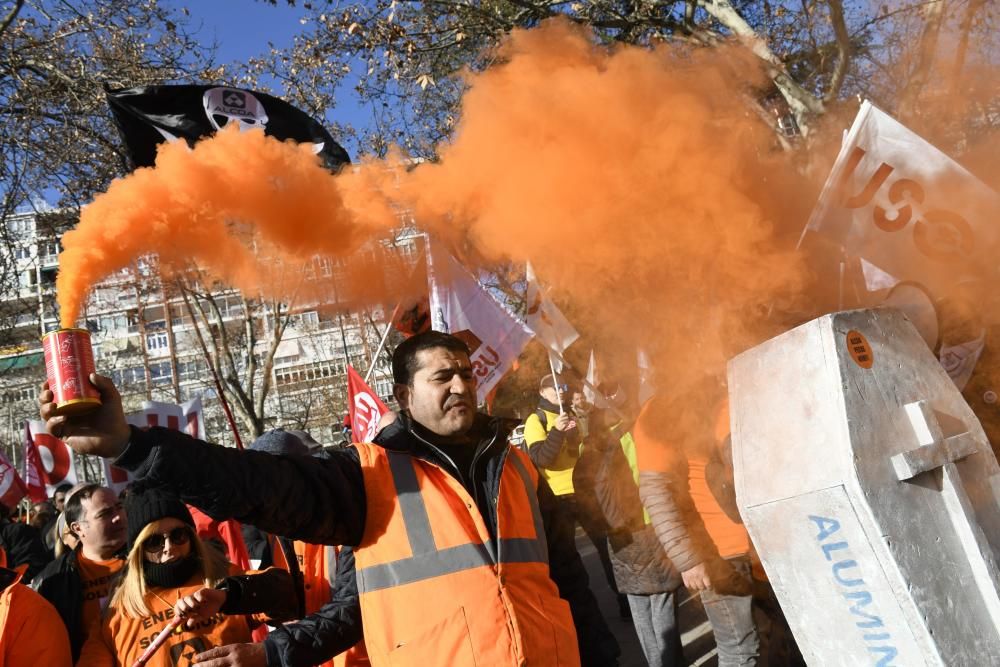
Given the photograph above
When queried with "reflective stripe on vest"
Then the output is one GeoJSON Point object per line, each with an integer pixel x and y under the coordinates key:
{"type": "Point", "coordinates": [427, 560]}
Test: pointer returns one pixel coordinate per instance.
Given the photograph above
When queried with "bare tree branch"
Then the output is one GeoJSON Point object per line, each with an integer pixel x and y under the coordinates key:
{"type": "Point", "coordinates": [11, 15]}
{"type": "Point", "coordinates": [843, 50]}
{"type": "Point", "coordinates": [933, 13]}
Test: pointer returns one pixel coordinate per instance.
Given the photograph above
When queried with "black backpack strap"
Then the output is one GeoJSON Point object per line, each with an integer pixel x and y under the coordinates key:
{"type": "Point", "coordinates": [542, 417]}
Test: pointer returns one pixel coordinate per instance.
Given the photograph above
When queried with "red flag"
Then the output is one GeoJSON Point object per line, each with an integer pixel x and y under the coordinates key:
{"type": "Point", "coordinates": [56, 458]}
{"type": "Point", "coordinates": [12, 487]}
{"type": "Point", "coordinates": [33, 468]}
{"type": "Point", "coordinates": [366, 408]}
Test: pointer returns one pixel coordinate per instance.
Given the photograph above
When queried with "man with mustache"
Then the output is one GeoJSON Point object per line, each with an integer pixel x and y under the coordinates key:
{"type": "Point", "coordinates": [461, 556]}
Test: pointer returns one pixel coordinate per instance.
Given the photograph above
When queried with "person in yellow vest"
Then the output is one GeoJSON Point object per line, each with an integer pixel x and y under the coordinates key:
{"type": "Point", "coordinates": [554, 436]}
{"type": "Point", "coordinates": [461, 556]}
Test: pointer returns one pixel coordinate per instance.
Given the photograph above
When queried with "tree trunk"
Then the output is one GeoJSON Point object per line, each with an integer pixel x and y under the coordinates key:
{"type": "Point", "coordinates": [802, 103]}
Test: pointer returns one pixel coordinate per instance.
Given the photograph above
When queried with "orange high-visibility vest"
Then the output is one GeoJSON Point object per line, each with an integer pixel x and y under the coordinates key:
{"type": "Point", "coordinates": [436, 589]}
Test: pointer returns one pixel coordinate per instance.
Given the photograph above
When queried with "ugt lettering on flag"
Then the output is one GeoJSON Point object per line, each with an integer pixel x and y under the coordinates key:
{"type": "Point", "coordinates": [900, 203]}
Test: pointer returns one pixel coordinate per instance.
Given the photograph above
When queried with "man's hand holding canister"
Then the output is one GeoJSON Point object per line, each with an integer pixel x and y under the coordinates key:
{"type": "Point", "coordinates": [103, 432]}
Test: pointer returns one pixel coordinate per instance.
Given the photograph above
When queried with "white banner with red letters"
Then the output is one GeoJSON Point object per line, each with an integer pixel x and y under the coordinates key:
{"type": "Point", "coordinates": [187, 417]}
{"type": "Point", "coordinates": [906, 207]}
{"type": "Point", "coordinates": [462, 307]}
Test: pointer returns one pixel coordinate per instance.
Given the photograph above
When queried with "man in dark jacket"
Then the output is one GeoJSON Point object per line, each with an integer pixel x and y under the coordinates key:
{"type": "Point", "coordinates": [23, 545]}
{"type": "Point", "coordinates": [312, 640]}
{"type": "Point", "coordinates": [325, 501]}
{"type": "Point", "coordinates": [605, 479]}
{"type": "Point", "coordinates": [78, 582]}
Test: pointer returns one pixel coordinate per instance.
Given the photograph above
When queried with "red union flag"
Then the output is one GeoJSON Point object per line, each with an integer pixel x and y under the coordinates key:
{"type": "Point", "coordinates": [33, 468]}
{"type": "Point", "coordinates": [52, 456]}
{"type": "Point", "coordinates": [12, 487]}
{"type": "Point", "coordinates": [366, 408]}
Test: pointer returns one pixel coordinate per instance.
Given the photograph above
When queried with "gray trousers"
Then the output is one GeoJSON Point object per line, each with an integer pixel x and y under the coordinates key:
{"type": "Point", "coordinates": [732, 622]}
{"type": "Point", "coordinates": [655, 620]}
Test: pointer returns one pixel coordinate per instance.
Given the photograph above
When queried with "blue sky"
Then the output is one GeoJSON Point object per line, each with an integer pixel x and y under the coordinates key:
{"type": "Point", "coordinates": [242, 30]}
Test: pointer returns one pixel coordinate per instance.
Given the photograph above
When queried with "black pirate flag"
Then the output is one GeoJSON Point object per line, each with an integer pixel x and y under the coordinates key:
{"type": "Point", "coordinates": [149, 115]}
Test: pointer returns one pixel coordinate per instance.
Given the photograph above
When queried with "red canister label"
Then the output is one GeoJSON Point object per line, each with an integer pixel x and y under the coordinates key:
{"type": "Point", "coordinates": [69, 361]}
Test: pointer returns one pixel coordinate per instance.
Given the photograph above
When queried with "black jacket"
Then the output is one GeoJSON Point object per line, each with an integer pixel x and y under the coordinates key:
{"type": "Point", "coordinates": [60, 584]}
{"type": "Point", "coordinates": [323, 500]}
{"type": "Point", "coordinates": [24, 546]}
{"type": "Point", "coordinates": [606, 488]}
{"type": "Point", "coordinates": [318, 637]}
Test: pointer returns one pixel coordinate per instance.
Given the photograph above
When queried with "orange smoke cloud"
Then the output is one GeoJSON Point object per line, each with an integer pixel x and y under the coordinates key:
{"type": "Point", "coordinates": [634, 180]}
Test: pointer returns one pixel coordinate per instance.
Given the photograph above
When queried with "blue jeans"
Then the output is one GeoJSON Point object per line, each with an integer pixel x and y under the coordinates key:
{"type": "Point", "coordinates": [732, 622]}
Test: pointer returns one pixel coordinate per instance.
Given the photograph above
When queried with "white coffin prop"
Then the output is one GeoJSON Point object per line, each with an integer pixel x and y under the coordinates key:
{"type": "Point", "coordinates": [869, 490]}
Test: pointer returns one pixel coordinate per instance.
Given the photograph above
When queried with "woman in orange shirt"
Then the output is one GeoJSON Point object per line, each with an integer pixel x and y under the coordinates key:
{"type": "Point", "coordinates": [168, 563]}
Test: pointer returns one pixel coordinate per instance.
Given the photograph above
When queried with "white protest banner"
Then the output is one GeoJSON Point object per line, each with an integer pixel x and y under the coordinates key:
{"type": "Point", "coordinates": [460, 306]}
{"type": "Point", "coordinates": [904, 206]}
{"type": "Point", "coordinates": [551, 327]}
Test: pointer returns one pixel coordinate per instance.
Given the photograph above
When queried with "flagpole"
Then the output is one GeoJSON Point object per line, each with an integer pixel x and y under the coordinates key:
{"type": "Point", "coordinates": [392, 318]}
{"type": "Point", "coordinates": [381, 343]}
{"type": "Point", "coordinates": [555, 381]}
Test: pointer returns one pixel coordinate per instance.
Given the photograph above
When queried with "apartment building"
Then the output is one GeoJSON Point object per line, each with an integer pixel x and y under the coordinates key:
{"type": "Point", "coordinates": [142, 327]}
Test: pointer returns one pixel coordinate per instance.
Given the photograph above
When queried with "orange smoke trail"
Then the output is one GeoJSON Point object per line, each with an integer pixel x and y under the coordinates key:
{"type": "Point", "coordinates": [193, 206]}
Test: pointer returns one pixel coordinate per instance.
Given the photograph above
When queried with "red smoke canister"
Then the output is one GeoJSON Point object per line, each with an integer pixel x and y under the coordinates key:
{"type": "Point", "coordinates": [69, 361]}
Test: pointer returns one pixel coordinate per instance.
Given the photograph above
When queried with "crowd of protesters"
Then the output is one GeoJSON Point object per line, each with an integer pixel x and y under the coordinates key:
{"type": "Point", "coordinates": [437, 543]}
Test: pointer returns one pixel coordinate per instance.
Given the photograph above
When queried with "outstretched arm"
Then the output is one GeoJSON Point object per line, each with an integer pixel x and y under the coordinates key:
{"type": "Point", "coordinates": [319, 501]}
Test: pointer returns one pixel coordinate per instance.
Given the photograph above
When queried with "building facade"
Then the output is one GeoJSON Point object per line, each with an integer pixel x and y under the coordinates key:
{"type": "Point", "coordinates": [144, 332]}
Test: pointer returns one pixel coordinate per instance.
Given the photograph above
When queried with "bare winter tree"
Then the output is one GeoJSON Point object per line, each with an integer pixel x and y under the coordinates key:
{"type": "Point", "coordinates": [57, 143]}
{"type": "Point", "coordinates": [408, 54]}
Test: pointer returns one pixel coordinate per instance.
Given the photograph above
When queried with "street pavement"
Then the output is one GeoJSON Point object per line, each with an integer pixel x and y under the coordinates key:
{"type": "Point", "coordinates": [696, 634]}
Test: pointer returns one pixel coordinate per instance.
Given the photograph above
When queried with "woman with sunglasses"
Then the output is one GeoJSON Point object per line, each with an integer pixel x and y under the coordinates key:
{"type": "Point", "coordinates": [166, 564]}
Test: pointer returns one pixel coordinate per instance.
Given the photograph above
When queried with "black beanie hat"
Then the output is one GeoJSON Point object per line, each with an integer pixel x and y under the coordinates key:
{"type": "Point", "coordinates": [144, 505]}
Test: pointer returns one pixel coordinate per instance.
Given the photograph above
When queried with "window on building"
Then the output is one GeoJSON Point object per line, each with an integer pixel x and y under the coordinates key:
{"type": "Point", "coordinates": [159, 373]}
{"type": "Point", "coordinates": [157, 341]}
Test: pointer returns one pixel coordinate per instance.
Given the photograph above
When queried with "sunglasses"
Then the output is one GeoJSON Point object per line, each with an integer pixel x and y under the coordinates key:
{"type": "Point", "coordinates": [562, 387]}
{"type": "Point", "coordinates": [155, 543]}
